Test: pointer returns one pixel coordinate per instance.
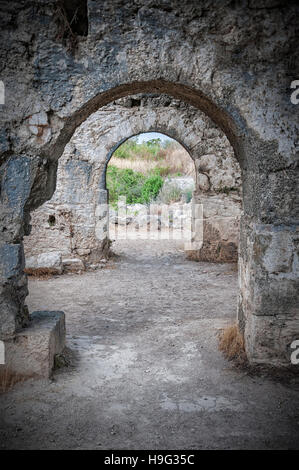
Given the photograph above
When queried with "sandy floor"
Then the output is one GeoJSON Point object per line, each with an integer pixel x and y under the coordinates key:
{"type": "Point", "coordinates": [146, 372]}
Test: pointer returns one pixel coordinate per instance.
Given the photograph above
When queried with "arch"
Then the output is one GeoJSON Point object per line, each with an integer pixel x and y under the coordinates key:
{"type": "Point", "coordinates": [103, 132]}
{"type": "Point", "coordinates": [106, 129]}
{"type": "Point", "coordinates": [258, 225]}
{"type": "Point", "coordinates": [232, 127]}
{"type": "Point", "coordinates": [152, 129]}
{"type": "Point", "coordinates": [190, 63]}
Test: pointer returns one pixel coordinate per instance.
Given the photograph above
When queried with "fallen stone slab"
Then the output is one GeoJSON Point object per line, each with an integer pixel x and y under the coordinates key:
{"type": "Point", "coordinates": [73, 265]}
{"type": "Point", "coordinates": [33, 349]}
{"type": "Point", "coordinates": [51, 261]}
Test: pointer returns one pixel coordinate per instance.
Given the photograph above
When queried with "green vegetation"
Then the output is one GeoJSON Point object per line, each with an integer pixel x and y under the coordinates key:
{"type": "Point", "coordinates": [151, 188]}
{"type": "Point", "coordinates": [138, 170]}
{"type": "Point", "coordinates": [150, 150]}
{"type": "Point", "coordinates": [165, 157]}
{"type": "Point", "coordinates": [137, 188]}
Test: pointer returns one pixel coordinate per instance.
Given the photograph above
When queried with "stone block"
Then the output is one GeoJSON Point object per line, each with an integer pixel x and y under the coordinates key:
{"type": "Point", "coordinates": [278, 255]}
{"type": "Point", "coordinates": [73, 265]}
{"type": "Point", "coordinates": [11, 260]}
{"type": "Point", "coordinates": [207, 162]}
{"type": "Point", "coordinates": [51, 260]}
{"type": "Point", "coordinates": [268, 339]}
{"type": "Point", "coordinates": [102, 211]}
{"type": "Point", "coordinates": [38, 119]}
{"type": "Point", "coordinates": [102, 197]}
{"type": "Point", "coordinates": [32, 351]}
{"type": "Point", "coordinates": [203, 182]}
{"type": "Point", "coordinates": [83, 251]}
{"type": "Point", "coordinates": [272, 295]}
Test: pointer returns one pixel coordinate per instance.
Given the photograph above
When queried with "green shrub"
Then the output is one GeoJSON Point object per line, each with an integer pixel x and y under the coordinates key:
{"type": "Point", "coordinates": [127, 149]}
{"type": "Point", "coordinates": [151, 188]}
{"type": "Point", "coordinates": [124, 182]}
{"type": "Point", "coordinates": [136, 187]}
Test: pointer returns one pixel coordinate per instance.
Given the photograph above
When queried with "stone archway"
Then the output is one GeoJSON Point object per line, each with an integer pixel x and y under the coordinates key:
{"type": "Point", "coordinates": [237, 62]}
{"type": "Point", "coordinates": [266, 306]}
{"type": "Point", "coordinates": [81, 182]}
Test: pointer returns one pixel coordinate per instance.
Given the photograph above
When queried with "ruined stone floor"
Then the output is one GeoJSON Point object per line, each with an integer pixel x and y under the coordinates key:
{"type": "Point", "coordinates": [146, 372]}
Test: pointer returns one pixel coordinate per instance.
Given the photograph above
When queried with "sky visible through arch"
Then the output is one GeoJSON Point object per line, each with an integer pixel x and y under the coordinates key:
{"type": "Point", "coordinates": [152, 135]}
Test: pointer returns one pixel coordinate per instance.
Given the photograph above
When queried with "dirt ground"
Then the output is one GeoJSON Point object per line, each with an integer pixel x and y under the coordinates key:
{"type": "Point", "coordinates": [145, 370]}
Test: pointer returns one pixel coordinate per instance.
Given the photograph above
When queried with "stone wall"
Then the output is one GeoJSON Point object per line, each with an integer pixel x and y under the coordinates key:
{"type": "Point", "coordinates": [220, 228]}
{"type": "Point", "coordinates": [70, 220]}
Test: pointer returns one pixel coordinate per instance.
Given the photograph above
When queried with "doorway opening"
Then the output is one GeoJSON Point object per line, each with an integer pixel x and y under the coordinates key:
{"type": "Point", "coordinates": [152, 310]}
{"type": "Point", "coordinates": [150, 179]}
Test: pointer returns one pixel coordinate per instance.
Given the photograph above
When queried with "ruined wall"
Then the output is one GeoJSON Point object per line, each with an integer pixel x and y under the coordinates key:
{"type": "Point", "coordinates": [69, 220]}
{"type": "Point", "coordinates": [233, 61]}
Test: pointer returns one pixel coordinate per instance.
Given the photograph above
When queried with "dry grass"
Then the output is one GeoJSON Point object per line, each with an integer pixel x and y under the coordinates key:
{"type": "Point", "coordinates": [231, 343]}
{"type": "Point", "coordinates": [41, 273]}
{"type": "Point", "coordinates": [173, 160]}
{"type": "Point", "coordinates": [8, 379]}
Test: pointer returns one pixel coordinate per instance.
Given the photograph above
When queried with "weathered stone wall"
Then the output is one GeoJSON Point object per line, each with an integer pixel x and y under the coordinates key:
{"type": "Point", "coordinates": [69, 220]}
{"type": "Point", "coordinates": [220, 228]}
{"type": "Point", "coordinates": [233, 61]}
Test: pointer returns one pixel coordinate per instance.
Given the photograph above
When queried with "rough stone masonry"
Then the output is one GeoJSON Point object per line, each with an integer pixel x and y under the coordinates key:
{"type": "Point", "coordinates": [68, 232]}
{"type": "Point", "coordinates": [233, 61]}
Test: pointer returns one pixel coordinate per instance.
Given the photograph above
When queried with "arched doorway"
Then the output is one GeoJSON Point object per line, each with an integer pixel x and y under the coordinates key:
{"type": "Point", "coordinates": [78, 204]}
{"type": "Point", "coordinates": [150, 179]}
{"type": "Point", "coordinates": [244, 142]}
